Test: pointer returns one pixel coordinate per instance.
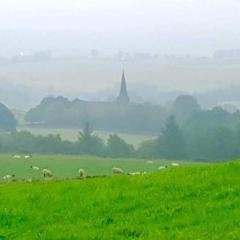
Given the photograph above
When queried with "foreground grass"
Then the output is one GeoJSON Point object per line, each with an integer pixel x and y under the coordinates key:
{"type": "Point", "coordinates": [189, 202]}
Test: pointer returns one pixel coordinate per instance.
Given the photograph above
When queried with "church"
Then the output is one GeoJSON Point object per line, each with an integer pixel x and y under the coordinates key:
{"type": "Point", "coordinates": [117, 115]}
{"type": "Point", "coordinates": [121, 102]}
{"type": "Point", "coordinates": [123, 97]}
{"type": "Point", "coordinates": [81, 109]}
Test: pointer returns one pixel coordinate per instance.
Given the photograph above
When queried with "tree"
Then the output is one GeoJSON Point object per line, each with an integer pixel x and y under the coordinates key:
{"type": "Point", "coordinates": [148, 149]}
{"type": "Point", "coordinates": [220, 143]}
{"type": "Point", "coordinates": [90, 143]}
{"type": "Point", "coordinates": [184, 107]}
{"type": "Point", "coordinates": [171, 142]}
{"type": "Point", "coordinates": [117, 147]}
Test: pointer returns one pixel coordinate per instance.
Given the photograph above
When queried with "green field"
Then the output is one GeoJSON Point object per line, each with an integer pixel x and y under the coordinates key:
{"type": "Point", "coordinates": [71, 134]}
{"type": "Point", "coordinates": [67, 166]}
{"type": "Point", "coordinates": [185, 202]}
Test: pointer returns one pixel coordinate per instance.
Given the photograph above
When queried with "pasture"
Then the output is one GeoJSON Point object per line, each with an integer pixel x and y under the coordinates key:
{"type": "Point", "coordinates": [66, 166]}
{"type": "Point", "coordinates": [187, 202]}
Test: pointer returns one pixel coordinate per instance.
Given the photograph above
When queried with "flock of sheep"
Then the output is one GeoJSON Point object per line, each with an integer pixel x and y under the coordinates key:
{"type": "Point", "coordinates": [46, 173]}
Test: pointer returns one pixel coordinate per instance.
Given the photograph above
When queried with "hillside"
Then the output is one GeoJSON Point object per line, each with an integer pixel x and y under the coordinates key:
{"type": "Point", "coordinates": [189, 202]}
{"type": "Point", "coordinates": [7, 119]}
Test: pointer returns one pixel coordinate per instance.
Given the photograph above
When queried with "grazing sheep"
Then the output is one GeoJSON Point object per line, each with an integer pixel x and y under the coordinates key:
{"type": "Point", "coordinates": [134, 173]}
{"type": "Point", "coordinates": [175, 164]}
{"type": "Point", "coordinates": [116, 170]}
{"type": "Point", "coordinates": [8, 178]}
{"type": "Point", "coordinates": [47, 173]}
{"type": "Point", "coordinates": [162, 167]}
{"type": "Point", "coordinates": [16, 156]}
{"type": "Point", "coordinates": [150, 162]}
{"type": "Point", "coordinates": [81, 173]}
{"type": "Point", "coordinates": [28, 156]}
{"type": "Point", "coordinates": [29, 180]}
{"type": "Point", "coordinates": [35, 168]}
{"type": "Point", "coordinates": [137, 173]}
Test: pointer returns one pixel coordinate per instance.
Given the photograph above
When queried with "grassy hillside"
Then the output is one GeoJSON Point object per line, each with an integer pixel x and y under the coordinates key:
{"type": "Point", "coordinates": [188, 202]}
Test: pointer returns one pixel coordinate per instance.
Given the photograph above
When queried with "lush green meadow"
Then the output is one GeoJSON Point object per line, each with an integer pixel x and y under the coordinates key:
{"type": "Point", "coordinates": [185, 202]}
{"type": "Point", "coordinates": [66, 166]}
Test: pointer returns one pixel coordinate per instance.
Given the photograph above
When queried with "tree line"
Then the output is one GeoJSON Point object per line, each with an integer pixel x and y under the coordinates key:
{"type": "Point", "coordinates": [174, 142]}
{"type": "Point", "coordinates": [189, 133]}
{"type": "Point", "coordinates": [88, 143]}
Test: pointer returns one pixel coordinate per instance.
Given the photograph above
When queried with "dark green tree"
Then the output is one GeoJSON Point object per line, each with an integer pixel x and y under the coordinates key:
{"type": "Point", "coordinates": [171, 142]}
{"type": "Point", "coordinates": [117, 147]}
{"type": "Point", "coordinates": [89, 143]}
{"type": "Point", "coordinates": [148, 149]}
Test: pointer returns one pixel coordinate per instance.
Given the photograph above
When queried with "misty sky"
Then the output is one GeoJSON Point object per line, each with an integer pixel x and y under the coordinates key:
{"type": "Point", "coordinates": [162, 26]}
{"type": "Point", "coordinates": [74, 27]}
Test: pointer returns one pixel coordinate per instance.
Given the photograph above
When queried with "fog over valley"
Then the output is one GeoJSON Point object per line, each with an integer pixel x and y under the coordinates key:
{"type": "Point", "coordinates": [77, 49]}
{"type": "Point", "coordinates": [149, 80]}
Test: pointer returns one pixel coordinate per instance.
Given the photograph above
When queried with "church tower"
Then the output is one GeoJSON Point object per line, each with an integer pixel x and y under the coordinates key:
{"type": "Point", "coordinates": [123, 95]}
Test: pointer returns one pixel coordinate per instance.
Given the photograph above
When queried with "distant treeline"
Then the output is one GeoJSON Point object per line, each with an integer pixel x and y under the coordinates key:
{"type": "Point", "coordinates": [88, 143]}
{"type": "Point", "coordinates": [188, 132]}
{"type": "Point", "coordinates": [203, 138]}
{"type": "Point", "coordinates": [110, 116]}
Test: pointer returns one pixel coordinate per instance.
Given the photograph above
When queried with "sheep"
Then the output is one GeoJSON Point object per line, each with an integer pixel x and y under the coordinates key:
{"type": "Point", "coordinates": [35, 168]}
{"type": "Point", "coordinates": [8, 178]}
{"type": "Point", "coordinates": [162, 167]}
{"type": "Point", "coordinates": [47, 173]}
{"type": "Point", "coordinates": [16, 156]}
{"type": "Point", "coordinates": [137, 173]}
{"type": "Point", "coordinates": [28, 156]}
{"type": "Point", "coordinates": [175, 164]}
{"type": "Point", "coordinates": [116, 170]}
{"type": "Point", "coordinates": [134, 173]}
{"type": "Point", "coordinates": [81, 173]}
{"type": "Point", "coordinates": [150, 162]}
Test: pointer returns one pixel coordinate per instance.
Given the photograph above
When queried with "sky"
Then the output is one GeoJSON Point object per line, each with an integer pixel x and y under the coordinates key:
{"type": "Point", "coordinates": [158, 26]}
{"type": "Point", "coordinates": [75, 27]}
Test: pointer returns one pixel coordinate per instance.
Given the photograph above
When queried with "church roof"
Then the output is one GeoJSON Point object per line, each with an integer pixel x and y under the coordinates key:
{"type": "Point", "coordinates": [123, 95]}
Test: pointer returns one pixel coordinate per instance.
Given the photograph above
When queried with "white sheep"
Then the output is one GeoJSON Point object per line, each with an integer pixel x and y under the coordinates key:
{"type": "Point", "coordinates": [175, 164]}
{"type": "Point", "coordinates": [16, 156]}
{"type": "Point", "coordinates": [162, 167]}
{"type": "Point", "coordinates": [47, 173]}
{"type": "Point", "coordinates": [134, 173]}
{"type": "Point", "coordinates": [8, 178]}
{"type": "Point", "coordinates": [28, 156]}
{"type": "Point", "coordinates": [29, 180]}
{"type": "Point", "coordinates": [150, 162]}
{"type": "Point", "coordinates": [116, 170]}
{"type": "Point", "coordinates": [81, 173]}
{"type": "Point", "coordinates": [35, 168]}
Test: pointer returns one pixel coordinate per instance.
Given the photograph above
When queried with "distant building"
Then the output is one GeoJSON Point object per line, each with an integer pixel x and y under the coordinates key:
{"type": "Point", "coordinates": [123, 95]}
{"type": "Point", "coordinates": [116, 115]}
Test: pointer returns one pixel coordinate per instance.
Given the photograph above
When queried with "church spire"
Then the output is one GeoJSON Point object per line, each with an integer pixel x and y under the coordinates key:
{"type": "Point", "coordinates": [123, 95]}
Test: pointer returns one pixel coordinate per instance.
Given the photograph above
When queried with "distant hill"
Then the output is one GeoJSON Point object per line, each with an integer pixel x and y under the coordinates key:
{"type": "Point", "coordinates": [7, 119]}
{"type": "Point", "coordinates": [18, 95]}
